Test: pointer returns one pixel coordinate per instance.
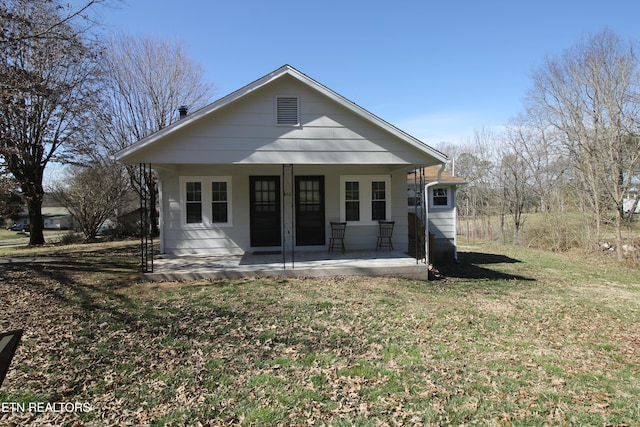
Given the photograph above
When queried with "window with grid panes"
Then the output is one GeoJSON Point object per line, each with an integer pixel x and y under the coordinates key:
{"type": "Point", "coordinates": [352, 201]}
{"type": "Point", "coordinates": [219, 202]}
{"type": "Point", "coordinates": [440, 197]}
{"type": "Point", "coordinates": [194, 202]}
{"type": "Point", "coordinates": [378, 201]}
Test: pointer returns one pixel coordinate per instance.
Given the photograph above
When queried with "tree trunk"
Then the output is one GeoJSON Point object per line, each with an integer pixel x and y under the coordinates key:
{"type": "Point", "coordinates": [36, 223]}
{"type": "Point", "coordinates": [619, 222]}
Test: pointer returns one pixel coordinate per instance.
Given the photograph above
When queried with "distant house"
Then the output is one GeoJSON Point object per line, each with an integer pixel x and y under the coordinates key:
{"type": "Point", "coordinates": [632, 194]}
{"type": "Point", "coordinates": [440, 188]}
{"type": "Point", "coordinates": [54, 216]}
{"type": "Point", "coordinates": [628, 204]}
{"type": "Point", "coordinates": [58, 221]}
{"type": "Point", "coordinates": [270, 166]}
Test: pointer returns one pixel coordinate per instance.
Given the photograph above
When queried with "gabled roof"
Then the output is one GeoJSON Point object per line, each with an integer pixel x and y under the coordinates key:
{"type": "Point", "coordinates": [285, 70]}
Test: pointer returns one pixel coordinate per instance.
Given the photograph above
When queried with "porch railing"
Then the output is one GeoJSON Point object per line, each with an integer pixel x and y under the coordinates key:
{"type": "Point", "coordinates": [147, 217]}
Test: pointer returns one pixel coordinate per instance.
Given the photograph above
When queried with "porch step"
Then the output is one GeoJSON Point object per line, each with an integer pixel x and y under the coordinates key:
{"type": "Point", "coordinates": [382, 263]}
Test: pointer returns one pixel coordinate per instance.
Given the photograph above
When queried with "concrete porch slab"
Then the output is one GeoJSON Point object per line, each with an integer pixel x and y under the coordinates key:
{"type": "Point", "coordinates": [305, 264]}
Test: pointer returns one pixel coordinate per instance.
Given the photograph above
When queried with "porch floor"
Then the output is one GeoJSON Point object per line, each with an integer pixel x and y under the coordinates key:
{"type": "Point", "coordinates": [306, 264]}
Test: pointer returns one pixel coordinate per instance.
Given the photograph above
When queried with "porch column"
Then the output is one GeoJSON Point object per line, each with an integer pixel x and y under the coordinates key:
{"type": "Point", "coordinates": [147, 216]}
{"type": "Point", "coordinates": [288, 218]}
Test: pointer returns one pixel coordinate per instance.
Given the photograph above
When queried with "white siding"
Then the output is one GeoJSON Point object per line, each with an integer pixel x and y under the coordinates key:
{"type": "Point", "coordinates": [181, 239]}
{"type": "Point", "coordinates": [442, 224]}
{"type": "Point", "coordinates": [246, 132]}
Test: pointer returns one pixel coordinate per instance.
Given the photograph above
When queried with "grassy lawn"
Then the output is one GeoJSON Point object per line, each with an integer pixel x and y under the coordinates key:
{"type": "Point", "coordinates": [12, 238]}
{"type": "Point", "coordinates": [512, 337]}
{"type": "Point", "coordinates": [8, 234]}
{"type": "Point", "coordinates": [54, 248]}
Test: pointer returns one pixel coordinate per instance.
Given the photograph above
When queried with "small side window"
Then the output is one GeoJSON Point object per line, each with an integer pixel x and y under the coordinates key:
{"type": "Point", "coordinates": [440, 197]}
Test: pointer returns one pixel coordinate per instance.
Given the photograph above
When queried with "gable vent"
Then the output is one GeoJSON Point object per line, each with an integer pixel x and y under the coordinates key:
{"type": "Point", "coordinates": [287, 110]}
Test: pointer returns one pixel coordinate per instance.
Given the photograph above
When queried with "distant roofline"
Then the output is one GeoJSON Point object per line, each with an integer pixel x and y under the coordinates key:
{"type": "Point", "coordinates": [431, 175]}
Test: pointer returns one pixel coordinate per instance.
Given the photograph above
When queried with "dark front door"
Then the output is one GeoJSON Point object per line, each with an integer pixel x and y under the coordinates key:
{"type": "Point", "coordinates": [265, 210]}
{"type": "Point", "coordinates": [310, 210]}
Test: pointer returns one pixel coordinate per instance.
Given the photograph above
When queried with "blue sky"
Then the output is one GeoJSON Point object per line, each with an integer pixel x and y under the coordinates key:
{"type": "Point", "coordinates": [437, 70]}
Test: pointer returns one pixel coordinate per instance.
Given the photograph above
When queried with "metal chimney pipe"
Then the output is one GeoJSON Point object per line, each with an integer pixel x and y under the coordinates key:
{"type": "Point", "coordinates": [183, 110]}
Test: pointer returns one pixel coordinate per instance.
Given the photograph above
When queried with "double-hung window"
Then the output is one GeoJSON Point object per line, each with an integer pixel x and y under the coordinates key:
{"type": "Point", "coordinates": [193, 202]}
{"type": "Point", "coordinates": [440, 197]}
{"type": "Point", "coordinates": [219, 202]}
{"type": "Point", "coordinates": [365, 199]}
{"type": "Point", "coordinates": [378, 201]}
{"type": "Point", "coordinates": [205, 201]}
{"type": "Point", "coordinates": [352, 200]}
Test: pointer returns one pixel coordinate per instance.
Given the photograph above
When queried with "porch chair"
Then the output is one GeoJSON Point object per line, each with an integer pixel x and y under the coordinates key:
{"type": "Point", "coordinates": [338, 230]}
{"type": "Point", "coordinates": [385, 233]}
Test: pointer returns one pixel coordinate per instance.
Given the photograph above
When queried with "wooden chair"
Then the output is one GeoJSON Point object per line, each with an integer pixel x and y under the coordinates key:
{"type": "Point", "coordinates": [338, 230]}
{"type": "Point", "coordinates": [385, 234]}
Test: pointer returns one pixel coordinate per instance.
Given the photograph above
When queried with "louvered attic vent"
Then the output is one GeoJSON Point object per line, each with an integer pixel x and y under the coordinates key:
{"type": "Point", "coordinates": [287, 110]}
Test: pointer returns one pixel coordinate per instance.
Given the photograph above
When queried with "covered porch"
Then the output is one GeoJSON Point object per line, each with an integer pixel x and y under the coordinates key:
{"type": "Point", "coordinates": [272, 264]}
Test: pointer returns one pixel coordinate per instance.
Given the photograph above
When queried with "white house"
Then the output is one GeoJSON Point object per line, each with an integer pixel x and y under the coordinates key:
{"type": "Point", "coordinates": [269, 166]}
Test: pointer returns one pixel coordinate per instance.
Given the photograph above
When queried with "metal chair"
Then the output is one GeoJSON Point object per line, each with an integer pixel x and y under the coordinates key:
{"type": "Point", "coordinates": [338, 230]}
{"type": "Point", "coordinates": [385, 233]}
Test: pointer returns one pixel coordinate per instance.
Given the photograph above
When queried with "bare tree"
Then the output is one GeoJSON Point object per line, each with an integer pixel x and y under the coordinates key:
{"type": "Point", "coordinates": [515, 180]}
{"type": "Point", "coordinates": [589, 94]}
{"type": "Point", "coordinates": [46, 91]}
{"type": "Point", "coordinates": [481, 161]}
{"type": "Point", "coordinates": [545, 159]}
{"type": "Point", "coordinates": [11, 203]}
{"type": "Point", "coordinates": [93, 194]}
{"type": "Point", "coordinates": [53, 29]}
{"type": "Point", "coordinates": [453, 151]}
{"type": "Point", "coordinates": [146, 80]}
{"type": "Point", "coordinates": [539, 167]}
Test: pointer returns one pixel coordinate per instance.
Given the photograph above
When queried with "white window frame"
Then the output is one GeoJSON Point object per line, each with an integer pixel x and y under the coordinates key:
{"type": "Point", "coordinates": [385, 200]}
{"type": "Point", "coordinates": [432, 196]}
{"type": "Point", "coordinates": [276, 115]}
{"type": "Point", "coordinates": [365, 197]}
{"type": "Point", "coordinates": [226, 202]}
{"type": "Point", "coordinates": [344, 203]}
{"type": "Point", "coordinates": [207, 214]}
{"type": "Point", "coordinates": [194, 202]}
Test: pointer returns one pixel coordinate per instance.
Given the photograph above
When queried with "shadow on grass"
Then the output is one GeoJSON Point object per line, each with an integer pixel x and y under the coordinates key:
{"type": "Point", "coordinates": [90, 283]}
{"type": "Point", "coordinates": [476, 265]}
